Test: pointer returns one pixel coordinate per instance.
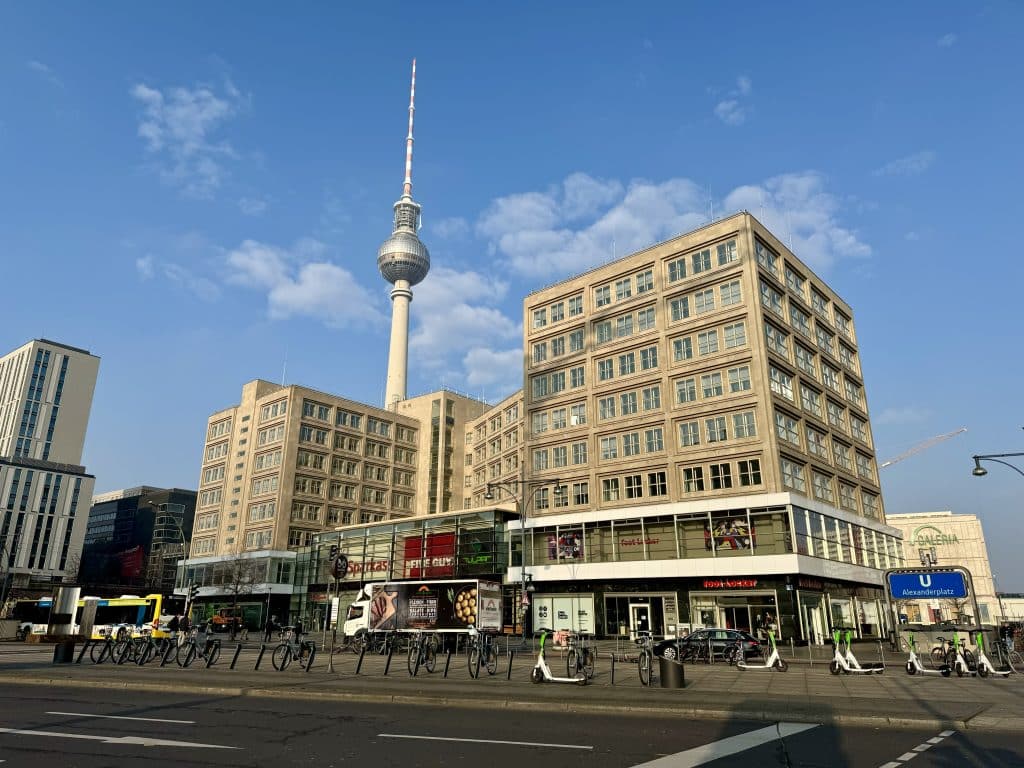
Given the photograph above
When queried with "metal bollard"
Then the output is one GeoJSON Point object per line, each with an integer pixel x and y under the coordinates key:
{"type": "Point", "coordinates": [330, 657]}
{"type": "Point", "coordinates": [263, 649]}
{"type": "Point", "coordinates": [810, 655]}
{"type": "Point", "coordinates": [362, 653]}
{"type": "Point", "coordinates": [447, 662]}
{"type": "Point", "coordinates": [792, 649]}
{"type": "Point", "coordinates": [81, 653]}
{"type": "Point", "coordinates": [387, 664]}
{"type": "Point", "coordinates": [881, 653]}
{"type": "Point", "coordinates": [312, 655]}
{"type": "Point", "coordinates": [511, 658]}
{"type": "Point", "coordinates": [613, 669]}
{"type": "Point", "coordinates": [234, 659]}
{"type": "Point", "coordinates": [209, 657]}
{"type": "Point", "coordinates": [171, 648]}
{"type": "Point", "coordinates": [711, 658]}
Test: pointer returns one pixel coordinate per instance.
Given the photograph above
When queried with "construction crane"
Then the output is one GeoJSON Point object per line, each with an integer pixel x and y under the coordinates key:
{"type": "Point", "coordinates": [921, 447]}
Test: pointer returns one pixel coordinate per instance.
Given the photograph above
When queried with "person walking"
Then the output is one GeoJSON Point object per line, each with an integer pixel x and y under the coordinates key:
{"type": "Point", "coordinates": [268, 628]}
{"type": "Point", "coordinates": [173, 626]}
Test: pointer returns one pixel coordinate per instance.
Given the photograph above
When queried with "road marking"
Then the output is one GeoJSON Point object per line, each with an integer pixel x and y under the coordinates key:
{"type": "Point", "coordinates": [143, 741]}
{"type": "Point", "coordinates": [483, 741]}
{"type": "Point", "coordinates": [922, 747]}
{"type": "Point", "coordinates": [728, 746]}
{"type": "Point", "coordinates": [121, 717]}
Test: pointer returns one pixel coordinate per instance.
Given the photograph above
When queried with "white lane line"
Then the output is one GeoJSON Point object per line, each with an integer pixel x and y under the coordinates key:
{"type": "Point", "coordinates": [482, 741]}
{"type": "Point", "coordinates": [935, 740]}
{"type": "Point", "coordinates": [728, 746]}
{"type": "Point", "coordinates": [890, 765]}
{"type": "Point", "coordinates": [122, 717]}
{"type": "Point", "coordinates": [922, 747]}
{"type": "Point", "coordinates": [143, 741]}
{"type": "Point", "coordinates": [907, 756]}
{"type": "Point", "coordinates": [947, 733]}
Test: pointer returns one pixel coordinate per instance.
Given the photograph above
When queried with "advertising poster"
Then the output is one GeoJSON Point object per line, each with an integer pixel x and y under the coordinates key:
{"type": "Point", "coordinates": [565, 546]}
{"type": "Point", "coordinates": [728, 533]}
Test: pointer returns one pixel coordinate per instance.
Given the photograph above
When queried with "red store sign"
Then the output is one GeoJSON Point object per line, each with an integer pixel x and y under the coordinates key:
{"type": "Point", "coordinates": [729, 583]}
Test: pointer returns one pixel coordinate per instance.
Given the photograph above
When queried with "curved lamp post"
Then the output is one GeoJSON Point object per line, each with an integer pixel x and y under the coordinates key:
{"type": "Point", "coordinates": [980, 471]}
{"type": "Point", "coordinates": [523, 492]}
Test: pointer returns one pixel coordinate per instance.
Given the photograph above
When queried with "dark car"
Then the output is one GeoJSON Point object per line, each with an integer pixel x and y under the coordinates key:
{"type": "Point", "coordinates": [695, 644]}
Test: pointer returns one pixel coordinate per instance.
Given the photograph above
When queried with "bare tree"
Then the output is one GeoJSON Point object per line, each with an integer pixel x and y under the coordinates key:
{"type": "Point", "coordinates": [237, 576]}
{"type": "Point", "coordinates": [957, 608]}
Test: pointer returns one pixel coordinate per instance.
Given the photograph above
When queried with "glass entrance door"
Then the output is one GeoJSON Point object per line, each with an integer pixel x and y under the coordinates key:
{"type": "Point", "coordinates": [639, 619]}
{"type": "Point", "coordinates": [736, 617]}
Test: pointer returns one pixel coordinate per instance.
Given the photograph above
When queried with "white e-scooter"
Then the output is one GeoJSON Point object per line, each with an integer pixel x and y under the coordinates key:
{"type": "Point", "coordinates": [542, 672]}
{"type": "Point", "coordinates": [961, 664]}
{"type": "Point", "coordinates": [914, 666]}
{"type": "Point", "coordinates": [984, 666]}
{"type": "Point", "coordinates": [774, 661]}
{"type": "Point", "coordinates": [846, 662]}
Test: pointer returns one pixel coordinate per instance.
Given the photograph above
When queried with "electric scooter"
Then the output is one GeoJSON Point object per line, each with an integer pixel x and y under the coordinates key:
{"type": "Point", "coordinates": [542, 672]}
{"type": "Point", "coordinates": [773, 661]}
{"type": "Point", "coordinates": [847, 662]}
{"type": "Point", "coordinates": [914, 666]}
{"type": "Point", "coordinates": [984, 666]}
{"type": "Point", "coordinates": [960, 663]}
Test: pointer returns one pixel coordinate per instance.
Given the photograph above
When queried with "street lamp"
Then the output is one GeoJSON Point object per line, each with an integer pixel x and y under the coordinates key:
{"type": "Point", "coordinates": [523, 501]}
{"type": "Point", "coordinates": [980, 471]}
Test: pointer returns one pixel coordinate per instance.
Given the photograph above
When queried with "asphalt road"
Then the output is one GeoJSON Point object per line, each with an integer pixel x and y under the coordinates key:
{"type": "Point", "coordinates": [103, 727]}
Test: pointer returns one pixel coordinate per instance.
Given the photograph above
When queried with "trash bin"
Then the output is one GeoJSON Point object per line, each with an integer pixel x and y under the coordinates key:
{"type": "Point", "coordinates": [671, 673]}
{"type": "Point", "coordinates": [64, 652]}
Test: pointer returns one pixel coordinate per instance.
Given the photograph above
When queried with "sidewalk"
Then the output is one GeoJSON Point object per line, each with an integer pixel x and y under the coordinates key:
{"type": "Point", "coordinates": [803, 694]}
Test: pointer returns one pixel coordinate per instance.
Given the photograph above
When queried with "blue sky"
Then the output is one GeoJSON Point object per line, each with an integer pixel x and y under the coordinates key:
{"type": "Point", "coordinates": [196, 192]}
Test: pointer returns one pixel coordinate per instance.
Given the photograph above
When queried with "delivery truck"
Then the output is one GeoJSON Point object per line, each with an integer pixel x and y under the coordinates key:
{"type": "Point", "coordinates": [432, 606]}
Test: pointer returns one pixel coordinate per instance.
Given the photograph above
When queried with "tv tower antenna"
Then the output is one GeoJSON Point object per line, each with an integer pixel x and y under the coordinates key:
{"type": "Point", "coordinates": [403, 260]}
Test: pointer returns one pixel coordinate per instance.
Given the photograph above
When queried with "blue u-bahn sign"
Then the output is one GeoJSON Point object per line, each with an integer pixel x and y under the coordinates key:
{"type": "Point", "coordinates": [927, 585]}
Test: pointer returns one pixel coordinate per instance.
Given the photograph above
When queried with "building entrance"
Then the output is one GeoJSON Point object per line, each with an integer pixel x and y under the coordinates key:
{"type": "Point", "coordinates": [639, 619]}
{"type": "Point", "coordinates": [753, 612]}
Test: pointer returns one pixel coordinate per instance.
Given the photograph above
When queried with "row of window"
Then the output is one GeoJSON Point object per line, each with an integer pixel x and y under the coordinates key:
{"type": "Point", "coordinates": [824, 487]}
{"type": "Point", "coordinates": [721, 475]}
{"type": "Point", "coordinates": [799, 285]}
{"type": "Point", "coordinates": [711, 385]}
{"type": "Point", "coordinates": [800, 322]}
{"type": "Point", "coordinates": [219, 429]}
{"type": "Point", "coordinates": [557, 311]}
{"type": "Point", "coordinates": [705, 300]}
{"type": "Point", "coordinates": [788, 429]}
{"type": "Point", "coordinates": [716, 429]}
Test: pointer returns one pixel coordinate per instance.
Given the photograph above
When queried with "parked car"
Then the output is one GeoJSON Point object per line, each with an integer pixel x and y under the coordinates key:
{"type": "Point", "coordinates": [696, 643]}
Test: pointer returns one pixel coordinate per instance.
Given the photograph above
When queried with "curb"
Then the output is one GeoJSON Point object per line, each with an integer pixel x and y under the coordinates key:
{"type": "Point", "coordinates": [632, 710]}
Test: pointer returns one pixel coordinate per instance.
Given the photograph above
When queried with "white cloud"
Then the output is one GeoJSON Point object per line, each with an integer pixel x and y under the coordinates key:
{"type": "Point", "coordinates": [149, 266]}
{"type": "Point", "coordinates": [45, 72]}
{"type": "Point", "coordinates": [458, 332]}
{"type": "Point", "coordinates": [499, 371]}
{"type": "Point", "coordinates": [907, 414]}
{"type": "Point", "coordinates": [251, 206]}
{"type": "Point", "coordinates": [539, 235]}
{"type": "Point", "coordinates": [299, 282]}
{"type": "Point", "coordinates": [730, 112]}
{"type": "Point", "coordinates": [911, 165]}
{"type": "Point", "coordinates": [946, 41]}
{"type": "Point", "coordinates": [452, 228]}
{"type": "Point", "coordinates": [178, 127]}
{"type": "Point", "coordinates": [744, 85]}
{"type": "Point", "coordinates": [146, 266]}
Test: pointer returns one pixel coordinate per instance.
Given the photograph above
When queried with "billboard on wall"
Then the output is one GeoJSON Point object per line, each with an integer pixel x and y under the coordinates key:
{"type": "Point", "coordinates": [568, 545]}
{"type": "Point", "coordinates": [430, 557]}
{"type": "Point", "coordinates": [570, 612]}
{"type": "Point", "coordinates": [729, 533]}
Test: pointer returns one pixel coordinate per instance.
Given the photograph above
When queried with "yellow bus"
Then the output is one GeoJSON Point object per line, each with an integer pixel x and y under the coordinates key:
{"type": "Point", "coordinates": [124, 616]}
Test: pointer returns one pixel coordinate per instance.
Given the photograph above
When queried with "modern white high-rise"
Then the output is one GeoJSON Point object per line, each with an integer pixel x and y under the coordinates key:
{"type": "Point", "coordinates": [46, 391]}
{"type": "Point", "coordinates": [403, 261]}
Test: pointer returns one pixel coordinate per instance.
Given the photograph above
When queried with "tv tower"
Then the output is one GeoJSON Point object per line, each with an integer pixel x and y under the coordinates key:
{"type": "Point", "coordinates": [403, 260]}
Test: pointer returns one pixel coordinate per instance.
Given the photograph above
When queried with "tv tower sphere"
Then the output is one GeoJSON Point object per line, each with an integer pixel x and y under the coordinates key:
{"type": "Point", "coordinates": [403, 256]}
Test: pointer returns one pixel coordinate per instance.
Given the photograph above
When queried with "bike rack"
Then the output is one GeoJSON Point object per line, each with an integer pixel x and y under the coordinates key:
{"type": "Point", "coordinates": [362, 653]}
{"type": "Point", "coordinates": [209, 650]}
{"type": "Point", "coordinates": [511, 657]}
{"type": "Point", "coordinates": [387, 664]}
{"type": "Point", "coordinates": [447, 663]}
{"type": "Point", "coordinates": [81, 653]}
{"type": "Point", "coordinates": [263, 649]}
{"type": "Point", "coordinates": [234, 659]}
{"type": "Point", "coordinates": [312, 655]}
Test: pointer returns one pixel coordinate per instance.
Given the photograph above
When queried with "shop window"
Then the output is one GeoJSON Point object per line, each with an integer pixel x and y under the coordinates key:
{"type": "Point", "coordinates": [803, 544]}
{"type": "Point", "coordinates": [629, 540]}
{"type": "Point", "coordinates": [598, 543]}
{"type": "Point", "coordinates": [694, 537]}
{"type": "Point", "coordinates": [660, 537]}
{"type": "Point", "coordinates": [730, 533]}
{"type": "Point", "coordinates": [817, 531]}
{"type": "Point", "coordinates": [770, 532]}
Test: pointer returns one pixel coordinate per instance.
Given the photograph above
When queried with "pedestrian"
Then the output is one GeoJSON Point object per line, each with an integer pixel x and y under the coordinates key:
{"type": "Point", "coordinates": [174, 625]}
{"type": "Point", "coordinates": [268, 629]}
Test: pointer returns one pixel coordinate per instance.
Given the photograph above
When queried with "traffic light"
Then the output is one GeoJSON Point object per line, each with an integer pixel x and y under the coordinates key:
{"type": "Point", "coordinates": [333, 554]}
{"type": "Point", "coordinates": [193, 592]}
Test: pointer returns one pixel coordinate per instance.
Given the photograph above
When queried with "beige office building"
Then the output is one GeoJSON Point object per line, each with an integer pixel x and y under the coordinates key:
{"type": "Point", "coordinates": [696, 444]}
{"type": "Point", "coordinates": [947, 539]}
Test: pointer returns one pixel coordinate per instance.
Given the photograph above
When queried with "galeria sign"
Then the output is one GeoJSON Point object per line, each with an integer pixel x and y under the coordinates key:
{"type": "Point", "coordinates": [930, 536]}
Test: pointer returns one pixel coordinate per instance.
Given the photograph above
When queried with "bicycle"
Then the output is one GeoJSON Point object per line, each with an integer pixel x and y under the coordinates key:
{"type": "Point", "coordinates": [153, 649]}
{"type": "Point", "coordinates": [645, 662]}
{"type": "Point", "coordinates": [290, 649]}
{"type": "Point", "coordinates": [1008, 657]}
{"type": "Point", "coordinates": [102, 650]}
{"type": "Point", "coordinates": [422, 652]}
{"type": "Point", "coordinates": [943, 653]}
{"type": "Point", "coordinates": [580, 657]}
{"type": "Point", "coordinates": [208, 651]}
{"type": "Point", "coordinates": [482, 652]}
